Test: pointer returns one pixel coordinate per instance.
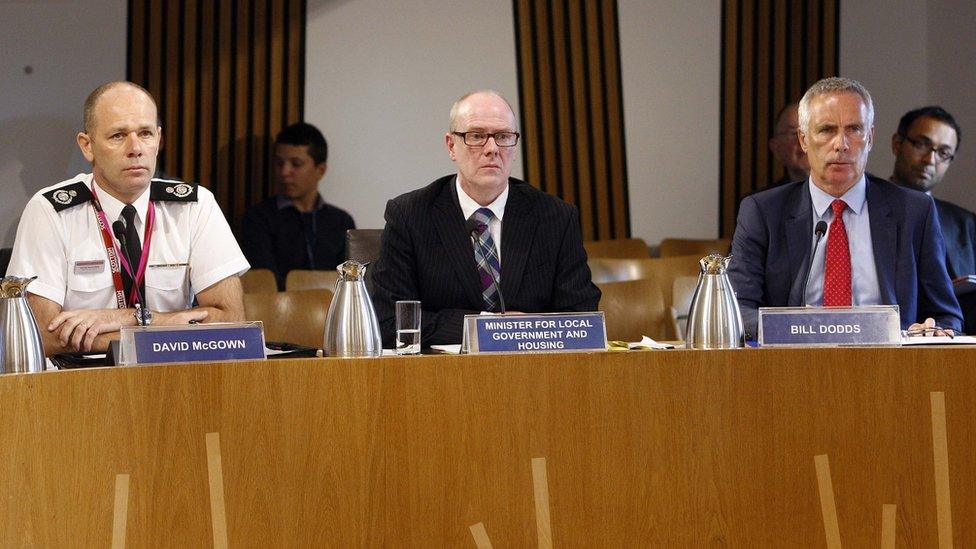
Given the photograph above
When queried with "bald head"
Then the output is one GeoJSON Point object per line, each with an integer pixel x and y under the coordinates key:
{"type": "Point", "coordinates": [92, 101]}
{"type": "Point", "coordinates": [464, 105]}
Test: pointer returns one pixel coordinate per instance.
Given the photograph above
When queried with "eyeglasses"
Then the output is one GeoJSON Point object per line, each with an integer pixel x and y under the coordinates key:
{"type": "Point", "coordinates": [477, 139]}
{"type": "Point", "coordinates": [923, 146]}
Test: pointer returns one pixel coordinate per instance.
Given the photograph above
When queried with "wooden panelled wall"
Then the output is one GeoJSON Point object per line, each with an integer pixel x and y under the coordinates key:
{"type": "Point", "coordinates": [228, 75]}
{"type": "Point", "coordinates": [572, 108]}
{"type": "Point", "coordinates": [772, 51]}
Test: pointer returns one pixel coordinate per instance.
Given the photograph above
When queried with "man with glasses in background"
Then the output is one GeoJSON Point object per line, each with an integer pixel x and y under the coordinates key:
{"type": "Point", "coordinates": [924, 146]}
{"type": "Point", "coordinates": [785, 146]}
{"type": "Point", "coordinates": [479, 240]}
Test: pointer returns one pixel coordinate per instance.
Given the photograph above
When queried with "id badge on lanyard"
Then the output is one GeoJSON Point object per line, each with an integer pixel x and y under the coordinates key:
{"type": "Point", "coordinates": [117, 260]}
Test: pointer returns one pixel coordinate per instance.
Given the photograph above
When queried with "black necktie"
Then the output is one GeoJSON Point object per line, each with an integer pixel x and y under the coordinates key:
{"type": "Point", "coordinates": [133, 250]}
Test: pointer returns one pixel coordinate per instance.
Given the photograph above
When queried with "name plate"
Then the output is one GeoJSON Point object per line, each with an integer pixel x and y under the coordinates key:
{"type": "Point", "coordinates": [547, 332]}
{"type": "Point", "coordinates": [819, 326]}
{"type": "Point", "coordinates": [192, 343]}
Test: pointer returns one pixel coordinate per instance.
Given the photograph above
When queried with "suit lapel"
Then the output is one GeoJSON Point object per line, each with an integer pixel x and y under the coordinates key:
{"type": "Point", "coordinates": [448, 221]}
{"type": "Point", "coordinates": [884, 240]}
{"type": "Point", "coordinates": [798, 228]}
{"type": "Point", "coordinates": [518, 233]}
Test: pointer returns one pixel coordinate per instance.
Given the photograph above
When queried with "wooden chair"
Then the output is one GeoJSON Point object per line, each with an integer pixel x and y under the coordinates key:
{"type": "Point", "coordinates": [301, 279]}
{"type": "Point", "coordinates": [661, 270]}
{"type": "Point", "coordinates": [259, 281]}
{"type": "Point", "coordinates": [291, 316]}
{"type": "Point", "coordinates": [634, 308]}
{"type": "Point", "coordinates": [683, 290]}
{"type": "Point", "coordinates": [620, 248]}
{"type": "Point", "coordinates": [690, 246]}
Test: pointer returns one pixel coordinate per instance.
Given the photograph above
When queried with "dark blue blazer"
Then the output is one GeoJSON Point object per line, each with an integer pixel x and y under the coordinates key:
{"type": "Point", "coordinates": [426, 254]}
{"type": "Point", "coordinates": [772, 244]}
{"type": "Point", "coordinates": [959, 231]}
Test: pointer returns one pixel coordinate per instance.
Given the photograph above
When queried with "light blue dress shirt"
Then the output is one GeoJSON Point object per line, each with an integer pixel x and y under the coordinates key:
{"type": "Point", "coordinates": [865, 289]}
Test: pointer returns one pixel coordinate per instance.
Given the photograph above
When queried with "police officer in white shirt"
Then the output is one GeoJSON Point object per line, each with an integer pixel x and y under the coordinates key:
{"type": "Point", "coordinates": [183, 248]}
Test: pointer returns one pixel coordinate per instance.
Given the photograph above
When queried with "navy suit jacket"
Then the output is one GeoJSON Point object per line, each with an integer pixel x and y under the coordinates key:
{"type": "Point", "coordinates": [426, 254]}
{"type": "Point", "coordinates": [959, 232]}
{"type": "Point", "coordinates": [772, 244]}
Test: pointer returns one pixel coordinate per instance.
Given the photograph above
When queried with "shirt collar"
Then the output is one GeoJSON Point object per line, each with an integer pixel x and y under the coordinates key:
{"type": "Point", "coordinates": [855, 197]}
{"type": "Point", "coordinates": [469, 206]}
{"type": "Point", "coordinates": [113, 207]}
{"type": "Point", "coordinates": [285, 202]}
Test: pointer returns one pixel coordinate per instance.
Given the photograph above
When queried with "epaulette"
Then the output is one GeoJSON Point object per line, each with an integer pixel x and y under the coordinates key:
{"type": "Point", "coordinates": [69, 196]}
{"type": "Point", "coordinates": [173, 191]}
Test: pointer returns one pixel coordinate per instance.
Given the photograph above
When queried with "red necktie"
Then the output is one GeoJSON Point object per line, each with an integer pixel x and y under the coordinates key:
{"type": "Point", "coordinates": [837, 272]}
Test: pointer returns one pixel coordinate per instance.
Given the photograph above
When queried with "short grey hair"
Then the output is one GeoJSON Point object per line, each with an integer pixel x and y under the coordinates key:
{"type": "Point", "coordinates": [834, 84]}
{"type": "Point", "coordinates": [457, 105]}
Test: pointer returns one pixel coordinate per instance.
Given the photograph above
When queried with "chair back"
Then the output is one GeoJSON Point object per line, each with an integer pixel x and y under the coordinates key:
{"type": "Point", "coordinates": [363, 245]}
{"type": "Point", "coordinates": [691, 246]}
{"type": "Point", "coordinates": [661, 270]}
{"type": "Point", "coordinates": [681, 295]}
{"type": "Point", "coordinates": [259, 281]}
{"type": "Point", "coordinates": [634, 308]}
{"type": "Point", "coordinates": [620, 248]}
{"type": "Point", "coordinates": [301, 279]}
{"type": "Point", "coordinates": [291, 316]}
{"type": "Point", "coordinates": [5, 254]}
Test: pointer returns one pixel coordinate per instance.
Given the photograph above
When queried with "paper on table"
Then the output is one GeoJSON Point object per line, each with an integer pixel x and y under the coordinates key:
{"type": "Point", "coordinates": [939, 340]}
{"type": "Point", "coordinates": [447, 349]}
{"type": "Point", "coordinates": [644, 343]}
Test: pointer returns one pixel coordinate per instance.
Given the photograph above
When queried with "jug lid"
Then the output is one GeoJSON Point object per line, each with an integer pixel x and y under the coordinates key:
{"type": "Point", "coordinates": [351, 271]}
{"type": "Point", "coordinates": [714, 264]}
{"type": "Point", "coordinates": [14, 286]}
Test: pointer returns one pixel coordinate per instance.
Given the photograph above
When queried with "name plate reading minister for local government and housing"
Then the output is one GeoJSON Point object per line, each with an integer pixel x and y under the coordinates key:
{"type": "Point", "coordinates": [546, 332]}
{"type": "Point", "coordinates": [867, 325]}
{"type": "Point", "coordinates": [192, 343]}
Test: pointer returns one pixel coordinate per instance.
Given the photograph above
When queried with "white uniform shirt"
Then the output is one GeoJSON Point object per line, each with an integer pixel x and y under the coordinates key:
{"type": "Point", "coordinates": [192, 248]}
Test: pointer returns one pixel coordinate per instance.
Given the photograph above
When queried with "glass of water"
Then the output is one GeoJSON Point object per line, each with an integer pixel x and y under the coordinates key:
{"type": "Point", "coordinates": [408, 327]}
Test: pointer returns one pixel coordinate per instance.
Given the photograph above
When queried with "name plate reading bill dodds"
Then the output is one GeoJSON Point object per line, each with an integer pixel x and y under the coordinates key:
{"type": "Point", "coordinates": [813, 326]}
{"type": "Point", "coordinates": [549, 332]}
{"type": "Point", "coordinates": [192, 343]}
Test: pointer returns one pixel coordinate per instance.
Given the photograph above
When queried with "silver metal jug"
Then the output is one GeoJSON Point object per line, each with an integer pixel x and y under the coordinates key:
{"type": "Point", "coordinates": [714, 320]}
{"type": "Point", "coordinates": [21, 349]}
{"type": "Point", "coordinates": [351, 329]}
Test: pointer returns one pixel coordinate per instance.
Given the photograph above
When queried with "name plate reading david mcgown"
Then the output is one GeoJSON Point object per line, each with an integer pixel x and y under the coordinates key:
{"type": "Point", "coordinates": [518, 333]}
{"type": "Point", "coordinates": [192, 343]}
{"type": "Point", "coordinates": [820, 326]}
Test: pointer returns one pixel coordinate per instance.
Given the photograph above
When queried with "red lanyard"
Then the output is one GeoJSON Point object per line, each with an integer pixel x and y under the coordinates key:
{"type": "Point", "coordinates": [116, 258]}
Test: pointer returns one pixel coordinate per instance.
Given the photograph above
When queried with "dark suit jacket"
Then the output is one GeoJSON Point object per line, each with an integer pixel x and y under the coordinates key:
{"type": "Point", "coordinates": [959, 231]}
{"type": "Point", "coordinates": [426, 254]}
{"type": "Point", "coordinates": [771, 248]}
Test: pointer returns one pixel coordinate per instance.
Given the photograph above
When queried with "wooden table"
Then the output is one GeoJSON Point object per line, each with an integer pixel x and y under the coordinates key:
{"type": "Point", "coordinates": [651, 449]}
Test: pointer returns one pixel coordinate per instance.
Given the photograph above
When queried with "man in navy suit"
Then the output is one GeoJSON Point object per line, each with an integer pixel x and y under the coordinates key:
{"type": "Point", "coordinates": [887, 247]}
{"type": "Point", "coordinates": [441, 243]}
{"type": "Point", "coordinates": [924, 146]}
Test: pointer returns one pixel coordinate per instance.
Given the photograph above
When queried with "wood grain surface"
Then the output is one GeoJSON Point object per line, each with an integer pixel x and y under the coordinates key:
{"type": "Point", "coordinates": [643, 449]}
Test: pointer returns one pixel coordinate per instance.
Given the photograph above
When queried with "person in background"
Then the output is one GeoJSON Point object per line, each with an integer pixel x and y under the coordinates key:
{"type": "Point", "coordinates": [296, 229]}
{"type": "Point", "coordinates": [924, 146]}
{"type": "Point", "coordinates": [785, 146]}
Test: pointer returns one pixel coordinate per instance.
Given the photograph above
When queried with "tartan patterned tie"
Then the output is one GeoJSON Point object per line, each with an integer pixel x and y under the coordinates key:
{"type": "Point", "coordinates": [837, 271]}
{"type": "Point", "coordinates": [489, 268]}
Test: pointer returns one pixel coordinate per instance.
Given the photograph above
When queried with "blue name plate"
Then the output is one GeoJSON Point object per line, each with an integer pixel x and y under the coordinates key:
{"type": "Point", "coordinates": [192, 343]}
{"type": "Point", "coordinates": [818, 326]}
{"type": "Point", "coordinates": [534, 333]}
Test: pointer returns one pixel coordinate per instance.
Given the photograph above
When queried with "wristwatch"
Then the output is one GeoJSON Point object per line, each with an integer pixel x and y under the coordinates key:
{"type": "Point", "coordinates": [138, 314]}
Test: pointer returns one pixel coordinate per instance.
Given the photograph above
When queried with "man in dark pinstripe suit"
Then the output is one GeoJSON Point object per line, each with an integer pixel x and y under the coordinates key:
{"type": "Point", "coordinates": [431, 253]}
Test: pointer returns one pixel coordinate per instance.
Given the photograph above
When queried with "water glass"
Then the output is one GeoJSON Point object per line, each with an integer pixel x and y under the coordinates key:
{"type": "Point", "coordinates": [408, 327]}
